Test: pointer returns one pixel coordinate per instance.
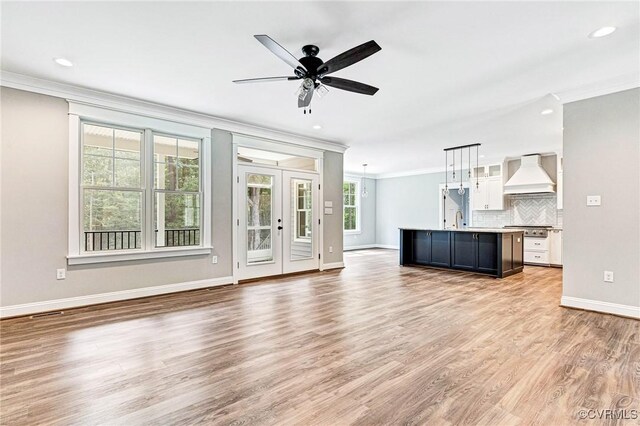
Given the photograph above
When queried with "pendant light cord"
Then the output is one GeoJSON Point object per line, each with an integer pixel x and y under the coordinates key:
{"type": "Point", "coordinates": [460, 167]}
{"type": "Point", "coordinates": [477, 181]}
{"type": "Point", "coordinates": [446, 170]}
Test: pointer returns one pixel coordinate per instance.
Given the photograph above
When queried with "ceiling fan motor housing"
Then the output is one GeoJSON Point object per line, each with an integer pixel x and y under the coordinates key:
{"type": "Point", "coordinates": [310, 61]}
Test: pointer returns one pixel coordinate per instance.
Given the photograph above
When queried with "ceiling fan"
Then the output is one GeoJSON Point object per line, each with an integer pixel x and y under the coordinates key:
{"type": "Point", "coordinates": [314, 72]}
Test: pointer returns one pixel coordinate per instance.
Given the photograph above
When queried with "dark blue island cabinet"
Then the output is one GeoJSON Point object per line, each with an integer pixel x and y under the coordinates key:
{"type": "Point", "coordinates": [497, 252]}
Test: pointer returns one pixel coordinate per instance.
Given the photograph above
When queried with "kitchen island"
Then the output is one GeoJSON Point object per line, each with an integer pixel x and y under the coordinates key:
{"type": "Point", "coordinates": [497, 252]}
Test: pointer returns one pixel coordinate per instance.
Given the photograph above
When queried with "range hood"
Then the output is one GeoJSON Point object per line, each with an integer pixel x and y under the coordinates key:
{"type": "Point", "coordinates": [530, 178]}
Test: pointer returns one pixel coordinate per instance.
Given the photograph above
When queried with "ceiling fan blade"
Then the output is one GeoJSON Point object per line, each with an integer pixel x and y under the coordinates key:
{"type": "Point", "coordinates": [264, 79]}
{"type": "Point", "coordinates": [349, 57]}
{"type": "Point", "coordinates": [349, 85]}
{"type": "Point", "coordinates": [303, 103]}
{"type": "Point", "coordinates": [279, 51]}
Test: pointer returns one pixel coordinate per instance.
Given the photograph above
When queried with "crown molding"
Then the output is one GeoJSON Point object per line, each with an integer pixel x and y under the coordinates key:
{"type": "Point", "coordinates": [106, 100]}
{"type": "Point", "coordinates": [389, 175]}
{"type": "Point", "coordinates": [612, 85]}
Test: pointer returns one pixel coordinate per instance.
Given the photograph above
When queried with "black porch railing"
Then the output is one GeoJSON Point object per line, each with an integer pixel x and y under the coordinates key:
{"type": "Point", "coordinates": [130, 239]}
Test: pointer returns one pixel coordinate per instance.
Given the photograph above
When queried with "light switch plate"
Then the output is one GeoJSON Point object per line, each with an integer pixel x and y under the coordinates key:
{"type": "Point", "coordinates": [608, 276]}
{"type": "Point", "coordinates": [593, 200]}
{"type": "Point", "coordinates": [328, 210]}
{"type": "Point", "coordinates": [61, 274]}
{"type": "Point", "coordinates": [214, 259]}
{"type": "Point", "coordinates": [328, 203]}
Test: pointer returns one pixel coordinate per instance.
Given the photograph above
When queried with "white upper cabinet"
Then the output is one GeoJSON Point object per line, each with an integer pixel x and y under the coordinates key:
{"type": "Point", "coordinates": [493, 170]}
{"type": "Point", "coordinates": [489, 193]}
{"type": "Point", "coordinates": [478, 195]}
{"type": "Point", "coordinates": [495, 194]}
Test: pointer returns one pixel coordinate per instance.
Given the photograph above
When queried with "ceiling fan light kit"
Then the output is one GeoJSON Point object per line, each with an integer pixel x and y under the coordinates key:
{"type": "Point", "coordinates": [313, 71]}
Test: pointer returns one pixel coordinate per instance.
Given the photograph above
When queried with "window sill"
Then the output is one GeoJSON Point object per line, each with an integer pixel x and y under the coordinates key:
{"type": "Point", "coordinates": [352, 232]}
{"type": "Point", "coordinates": [87, 259]}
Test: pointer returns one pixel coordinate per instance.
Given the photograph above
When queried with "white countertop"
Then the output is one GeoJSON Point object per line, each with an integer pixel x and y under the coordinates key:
{"type": "Point", "coordinates": [493, 230]}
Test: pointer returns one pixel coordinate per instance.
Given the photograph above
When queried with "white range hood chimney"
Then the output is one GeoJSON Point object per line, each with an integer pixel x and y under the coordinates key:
{"type": "Point", "coordinates": [529, 178]}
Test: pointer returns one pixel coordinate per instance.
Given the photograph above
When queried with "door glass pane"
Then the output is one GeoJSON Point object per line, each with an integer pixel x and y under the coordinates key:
{"type": "Point", "coordinates": [259, 218]}
{"type": "Point", "coordinates": [301, 219]}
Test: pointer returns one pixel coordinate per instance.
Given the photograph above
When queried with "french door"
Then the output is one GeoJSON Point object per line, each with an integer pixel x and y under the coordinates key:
{"type": "Point", "coordinates": [277, 222]}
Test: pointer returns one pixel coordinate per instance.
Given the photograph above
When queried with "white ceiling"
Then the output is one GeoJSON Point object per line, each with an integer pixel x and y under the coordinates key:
{"type": "Point", "coordinates": [449, 73]}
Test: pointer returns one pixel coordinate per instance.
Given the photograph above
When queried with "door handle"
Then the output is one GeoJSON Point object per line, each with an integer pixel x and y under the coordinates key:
{"type": "Point", "coordinates": [279, 228]}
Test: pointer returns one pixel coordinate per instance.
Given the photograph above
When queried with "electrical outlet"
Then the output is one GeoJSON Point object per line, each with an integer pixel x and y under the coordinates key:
{"type": "Point", "coordinates": [330, 249]}
{"type": "Point", "coordinates": [608, 276]}
{"type": "Point", "coordinates": [593, 200]}
{"type": "Point", "coordinates": [61, 274]}
{"type": "Point", "coordinates": [214, 260]}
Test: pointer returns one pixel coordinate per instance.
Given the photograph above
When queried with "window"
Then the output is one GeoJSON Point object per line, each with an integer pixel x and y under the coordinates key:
{"type": "Point", "coordinates": [136, 193]}
{"type": "Point", "coordinates": [303, 214]}
{"type": "Point", "coordinates": [351, 205]}
{"type": "Point", "coordinates": [176, 191]}
{"type": "Point", "coordinates": [112, 189]}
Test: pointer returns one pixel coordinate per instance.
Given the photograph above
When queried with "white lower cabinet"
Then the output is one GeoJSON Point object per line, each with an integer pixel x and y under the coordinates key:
{"type": "Point", "coordinates": [541, 257]}
{"type": "Point", "coordinates": [555, 247]}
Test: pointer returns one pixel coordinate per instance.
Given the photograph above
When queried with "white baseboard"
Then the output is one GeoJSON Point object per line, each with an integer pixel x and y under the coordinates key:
{"type": "Point", "coordinates": [370, 246]}
{"type": "Point", "coordinates": [599, 306]}
{"type": "Point", "coordinates": [334, 265]}
{"type": "Point", "coordinates": [387, 246]}
{"type": "Point", "coordinates": [93, 299]}
{"type": "Point", "coordinates": [362, 247]}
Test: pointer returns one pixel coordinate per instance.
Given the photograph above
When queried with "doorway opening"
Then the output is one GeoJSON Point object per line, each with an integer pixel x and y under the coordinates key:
{"type": "Point", "coordinates": [278, 213]}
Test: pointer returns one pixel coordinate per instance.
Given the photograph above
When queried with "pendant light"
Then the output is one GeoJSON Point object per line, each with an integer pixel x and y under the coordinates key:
{"type": "Point", "coordinates": [365, 193]}
{"type": "Point", "coordinates": [461, 189]}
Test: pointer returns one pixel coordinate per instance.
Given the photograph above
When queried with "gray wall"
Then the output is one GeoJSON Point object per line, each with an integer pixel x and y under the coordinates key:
{"type": "Point", "coordinates": [367, 235]}
{"type": "Point", "coordinates": [34, 217]}
{"type": "Point", "coordinates": [332, 191]}
{"type": "Point", "coordinates": [410, 201]}
{"type": "Point", "coordinates": [222, 210]}
{"type": "Point", "coordinates": [35, 166]}
{"type": "Point", "coordinates": [601, 154]}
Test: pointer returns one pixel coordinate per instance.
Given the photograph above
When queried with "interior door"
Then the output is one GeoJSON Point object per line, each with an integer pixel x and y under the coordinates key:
{"type": "Point", "coordinates": [300, 234]}
{"type": "Point", "coordinates": [260, 222]}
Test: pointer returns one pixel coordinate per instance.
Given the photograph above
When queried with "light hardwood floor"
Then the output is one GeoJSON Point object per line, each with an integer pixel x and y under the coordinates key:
{"type": "Point", "coordinates": [374, 343]}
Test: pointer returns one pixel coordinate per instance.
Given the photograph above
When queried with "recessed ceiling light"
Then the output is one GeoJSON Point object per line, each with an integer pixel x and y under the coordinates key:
{"type": "Point", "coordinates": [482, 156]}
{"type": "Point", "coordinates": [602, 32]}
{"type": "Point", "coordinates": [546, 111]}
{"type": "Point", "coordinates": [64, 62]}
{"type": "Point", "coordinates": [317, 126]}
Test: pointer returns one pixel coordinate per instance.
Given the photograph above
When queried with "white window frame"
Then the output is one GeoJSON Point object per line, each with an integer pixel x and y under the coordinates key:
{"type": "Point", "coordinates": [357, 183]}
{"type": "Point", "coordinates": [82, 113]}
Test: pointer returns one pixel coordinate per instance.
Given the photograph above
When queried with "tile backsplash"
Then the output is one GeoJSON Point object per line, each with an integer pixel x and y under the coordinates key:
{"type": "Point", "coordinates": [522, 209]}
